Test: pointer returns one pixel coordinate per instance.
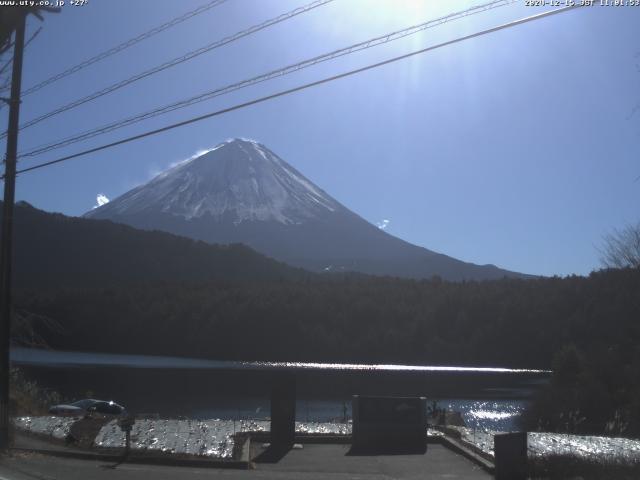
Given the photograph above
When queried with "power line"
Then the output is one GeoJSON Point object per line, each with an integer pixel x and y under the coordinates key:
{"type": "Point", "coordinates": [26, 44]}
{"type": "Point", "coordinates": [178, 60]}
{"type": "Point", "coordinates": [264, 77]}
{"type": "Point", "coordinates": [10, 61]}
{"type": "Point", "coordinates": [123, 46]}
{"type": "Point", "coordinates": [299, 88]}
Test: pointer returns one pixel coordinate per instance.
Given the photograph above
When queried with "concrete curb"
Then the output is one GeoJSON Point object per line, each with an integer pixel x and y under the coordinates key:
{"type": "Point", "coordinates": [141, 459]}
{"type": "Point", "coordinates": [265, 437]}
{"type": "Point", "coordinates": [59, 448]}
{"type": "Point", "coordinates": [330, 438]}
{"type": "Point", "coordinates": [460, 448]}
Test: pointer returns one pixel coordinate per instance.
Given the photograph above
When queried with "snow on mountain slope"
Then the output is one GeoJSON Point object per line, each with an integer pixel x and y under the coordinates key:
{"type": "Point", "coordinates": [240, 178]}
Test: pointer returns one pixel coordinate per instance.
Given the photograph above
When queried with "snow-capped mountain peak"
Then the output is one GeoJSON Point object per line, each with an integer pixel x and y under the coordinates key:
{"type": "Point", "coordinates": [239, 180]}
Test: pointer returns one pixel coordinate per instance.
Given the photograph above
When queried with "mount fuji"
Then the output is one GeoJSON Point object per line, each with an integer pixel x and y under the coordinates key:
{"type": "Point", "coordinates": [242, 192]}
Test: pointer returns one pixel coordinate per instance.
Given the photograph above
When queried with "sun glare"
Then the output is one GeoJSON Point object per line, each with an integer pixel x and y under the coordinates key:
{"type": "Point", "coordinates": [403, 11]}
{"type": "Point", "coordinates": [375, 16]}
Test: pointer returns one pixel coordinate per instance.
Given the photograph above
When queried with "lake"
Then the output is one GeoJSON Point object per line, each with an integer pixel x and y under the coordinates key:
{"type": "Point", "coordinates": [488, 397]}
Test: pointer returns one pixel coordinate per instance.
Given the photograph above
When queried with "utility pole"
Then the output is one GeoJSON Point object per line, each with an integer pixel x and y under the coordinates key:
{"type": "Point", "coordinates": [6, 252]}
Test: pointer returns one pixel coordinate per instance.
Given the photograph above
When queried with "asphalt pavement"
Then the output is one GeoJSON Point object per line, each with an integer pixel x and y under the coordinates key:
{"type": "Point", "coordinates": [312, 462]}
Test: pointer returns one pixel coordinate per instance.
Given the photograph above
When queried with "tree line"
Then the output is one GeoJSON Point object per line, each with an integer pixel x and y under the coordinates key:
{"type": "Point", "coordinates": [585, 328]}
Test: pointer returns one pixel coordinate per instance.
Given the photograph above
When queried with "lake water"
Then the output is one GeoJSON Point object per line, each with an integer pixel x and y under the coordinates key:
{"type": "Point", "coordinates": [488, 397]}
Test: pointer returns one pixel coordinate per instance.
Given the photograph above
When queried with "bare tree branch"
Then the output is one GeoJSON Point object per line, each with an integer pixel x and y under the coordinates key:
{"type": "Point", "coordinates": [621, 248]}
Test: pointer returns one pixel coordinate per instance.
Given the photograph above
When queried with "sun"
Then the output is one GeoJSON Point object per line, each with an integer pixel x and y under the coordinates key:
{"type": "Point", "coordinates": [394, 11]}
{"type": "Point", "coordinates": [389, 15]}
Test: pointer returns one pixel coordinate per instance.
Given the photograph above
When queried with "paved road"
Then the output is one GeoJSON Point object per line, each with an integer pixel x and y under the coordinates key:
{"type": "Point", "coordinates": [332, 461]}
{"type": "Point", "coordinates": [313, 462]}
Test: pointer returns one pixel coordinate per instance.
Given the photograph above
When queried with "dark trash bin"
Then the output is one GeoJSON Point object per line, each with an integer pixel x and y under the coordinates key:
{"type": "Point", "coordinates": [390, 424]}
{"type": "Point", "coordinates": [510, 451]}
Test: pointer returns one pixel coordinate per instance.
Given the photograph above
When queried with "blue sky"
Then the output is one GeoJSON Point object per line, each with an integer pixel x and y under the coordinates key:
{"type": "Point", "coordinates": [518, 148]}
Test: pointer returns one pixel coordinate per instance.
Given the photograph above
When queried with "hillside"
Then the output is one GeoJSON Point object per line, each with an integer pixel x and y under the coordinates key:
{"type": "Point", "coordinates": [56, 250]}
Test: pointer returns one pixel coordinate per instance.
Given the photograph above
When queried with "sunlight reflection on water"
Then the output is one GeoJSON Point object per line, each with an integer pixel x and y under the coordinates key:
{"type": "Point", "coordinates": [499, 415]}
{"type": "Point", "coordinates": [30, 356]}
